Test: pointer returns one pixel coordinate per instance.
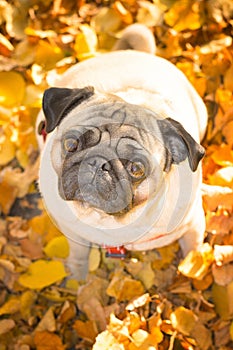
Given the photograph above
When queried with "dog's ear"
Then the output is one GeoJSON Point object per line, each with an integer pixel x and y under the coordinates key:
{"type": "Point", "coordinates": [179, 144]}
{"type": "Point", "coordinates": [58, 102]}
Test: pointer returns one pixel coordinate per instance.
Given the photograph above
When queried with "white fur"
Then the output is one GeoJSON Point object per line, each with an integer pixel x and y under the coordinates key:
{"type": "Point", "coordinates": [175, 210]}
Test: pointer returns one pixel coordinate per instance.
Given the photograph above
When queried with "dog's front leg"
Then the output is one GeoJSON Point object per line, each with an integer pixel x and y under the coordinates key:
{"type": "Point", "coordinates": [77, 262]}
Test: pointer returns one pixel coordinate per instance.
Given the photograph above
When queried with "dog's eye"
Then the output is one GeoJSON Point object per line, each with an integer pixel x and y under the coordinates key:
{"type": "Point", "coordinates": [71, 144]}
{"type": "Point", "coordinates": [136, 170]}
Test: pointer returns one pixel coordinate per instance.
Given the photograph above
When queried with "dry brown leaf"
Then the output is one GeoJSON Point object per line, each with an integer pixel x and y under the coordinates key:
{"type": "Point", "coordinates": [123, 287]}
{"type": "Point", "coordinates": [48, 322]}
{"type": "Point", "coordinates": [86, 330]}
{"type": "Point", "coordinates": [67, 313]}
{"type": "Point", "coordinates": [91, 299]}
{"type": "Point", "coordinates": [6, 325]}
{"type": "Point", "coordinates": [223, 275]}
{"type": "Point", "coordinates": [48, 341]}
{"type": "Point", "coordinates": [202, 335]}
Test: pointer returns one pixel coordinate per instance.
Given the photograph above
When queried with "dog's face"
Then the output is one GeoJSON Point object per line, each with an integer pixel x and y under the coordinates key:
{"type": "Point", "coordinates": [111, 155]}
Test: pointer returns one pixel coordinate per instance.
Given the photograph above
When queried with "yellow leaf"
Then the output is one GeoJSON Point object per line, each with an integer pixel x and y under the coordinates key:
{"type": "Point", "coordinates": [106, 21]}
{"type": "Point", "coordinates": [125, 15]}
{"type": "Point", "coordinates": [94, 259]}
{"type": "Point", "coordinates": [42, 273]}
{"type": "Point", "coordinates": [183, 320]}
{"type": "Point", "coordinates": [8, 194]}
{"type": "Point", "coordinates": [47, 55]}
{"type": "Point", "coordinates": [184, 14]}
{"type": "Point", "coordinates": [147, 275]}
{"type": "Point", "coordinates": [27, 300]}
{"type": "Point", "coordinates": [48, 341]}
{"type": "Point", "coordinates": [43, 225]}
{"type": "Point", "coordinates": [222, 177]}
{"type": "Point", "coordinates": [72, 284]}
{"type": "Point", "coordinates": [167, 254]}
{"type": "Point", "coordinates": [58, 247]}
{"type": "Point", "coordinates": [85, 43]}
{"type": "Point", "coordinates": [10, 307]}
{"type": "Point", "coordinates": [223, 301]}
{"type": "Point", "coordinates": [197, 263]}
{"type": "Point", "coordinates": [12, 89]}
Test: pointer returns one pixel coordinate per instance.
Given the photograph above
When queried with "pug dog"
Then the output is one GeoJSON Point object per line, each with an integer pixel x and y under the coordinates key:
{"type": "Point", "coordinates": [120, 166]}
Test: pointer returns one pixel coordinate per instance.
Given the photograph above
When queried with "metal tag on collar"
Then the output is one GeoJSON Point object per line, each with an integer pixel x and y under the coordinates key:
{"type": "Point", "coordinates": [116, 252]}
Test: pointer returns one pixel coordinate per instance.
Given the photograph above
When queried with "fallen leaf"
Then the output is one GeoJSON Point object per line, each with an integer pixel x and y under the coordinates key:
{"type": "Point", "coordinates": [6, 326]}
{"type": "Point", "coordinates": [184, 14]}
{"type": "Point", "coordinates": [215, 196]}
{"type": "Point", "coordinates": [27, 301]}
{"type": "Point", "coordinates": [10, 307]}
{"type": "Point", "coordinates": [48, 322]}
{"type": "Point", "coordinates": [94, 259]}
{"type": "Point", "coordinates": [42, 273]}
{"type": "Point", "coordinates": [47, 55]}
{"type": "Point", "coordinates": [124, 14]}
{"type": "Point", "coordinates": [67, 313]}
{"type": "Point", "coordinates": [85, 43]}
{"type": "Point", "coordinates": [124, 288]}
{"type": "Point", "coordinates": [223, 275]}
{"type": "Point", "coordinates": [197, 263]}
{"type": "Point", "coordinates": [106, 341]}
{"type": "Point", "coordinates": [222, 297]}
{"type": "Point", "coordinates": [223, 254]}
{"type": "Point", "coordinates": [58, 247]}
{"type": "Point", "coordinates": [107, 20]}
{"type": "Point", "coordinates": [150, 14]}
{"type": "Point", "coordinates": [202, 335]}
{"type": "Point", "coordinates": [86, 330]}
{"type": "Point", "coordinates": [7, 148]}
{"type": "Point", "coordinates": [183, 320]}
{"type": "Point", "coordinates": [91, 298]}
{"type": "Point", "coordinates": [11, 94]}
{"type": "Point", "coordinates": [48, 341]}
{"type": "Point", "coordinates": [139, 302]}
{"type": "Point", "coordinates": [141, 339]}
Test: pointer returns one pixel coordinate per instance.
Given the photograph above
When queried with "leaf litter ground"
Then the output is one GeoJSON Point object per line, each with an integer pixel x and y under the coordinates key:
{"type": "Point", "coordinates": [152, 300]}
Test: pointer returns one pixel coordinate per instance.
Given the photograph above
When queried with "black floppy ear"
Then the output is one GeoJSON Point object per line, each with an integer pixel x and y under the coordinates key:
{"type": "Point", "coordinates": [179, 144]}
{"type": "Point", "coordinates": [57, 103]}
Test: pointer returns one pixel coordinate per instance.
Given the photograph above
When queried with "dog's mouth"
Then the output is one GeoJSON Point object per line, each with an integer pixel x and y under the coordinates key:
{"type": "Point", "coordinates": [108, 185]}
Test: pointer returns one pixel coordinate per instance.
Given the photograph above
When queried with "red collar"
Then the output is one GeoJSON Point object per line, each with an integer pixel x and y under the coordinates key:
{"type": "Point", "coordinates": [115, 252]}
{"type": "Point", "coordinates": [42, 129]}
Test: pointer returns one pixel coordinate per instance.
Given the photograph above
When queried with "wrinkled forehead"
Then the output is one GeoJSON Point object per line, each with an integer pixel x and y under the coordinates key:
{"type": "Point", "coordinates": [117, 115]}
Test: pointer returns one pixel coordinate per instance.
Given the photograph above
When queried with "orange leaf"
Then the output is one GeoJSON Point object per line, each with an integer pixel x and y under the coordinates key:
{"type": "Point", "coordinates": [86, 330]}
{"type": "Point", "coordinates": [48, 341]}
